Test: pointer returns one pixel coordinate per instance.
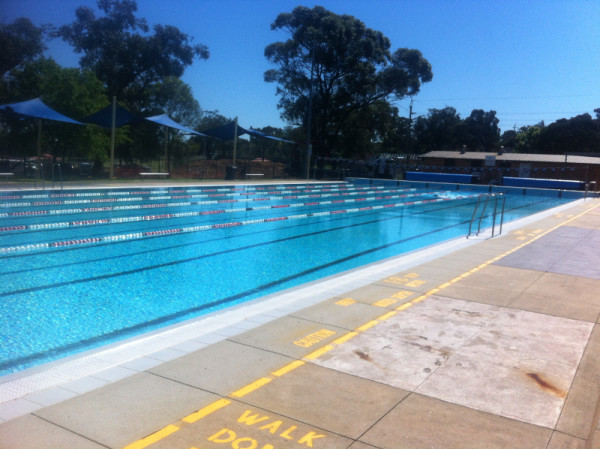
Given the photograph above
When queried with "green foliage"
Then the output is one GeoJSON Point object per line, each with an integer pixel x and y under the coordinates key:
{"type": "Point", "coordinates": [117, 48]}
{"type": "Point", "coordinates": [579, 134]}
{"type": "Point", "coordinates": [347, 68]}
{"type": "Point", "coordinates": [481, 130]}
{"type": "Point", "coordinates": [441, 129]}
{"type": "Point", "coordinates": [20, 41]}
{"type": "Point", "coordinates": [74, 93]}
{"type": "Point", "coordinates": [527, 139]}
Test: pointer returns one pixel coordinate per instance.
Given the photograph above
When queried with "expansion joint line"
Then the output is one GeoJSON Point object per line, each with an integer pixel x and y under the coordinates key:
{"type": "Point", "coordinates": [259, 383]}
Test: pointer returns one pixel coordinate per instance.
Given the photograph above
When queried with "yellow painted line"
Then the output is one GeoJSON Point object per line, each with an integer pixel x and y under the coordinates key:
{"type": "Point", "coordinates": [345, 302]}
{"type": "Point", "coordinates": [345, 338]}
{"type": "Point", "coordinates": [287, 368]}
{"type": "Point", "coordinates": [319, 352]}
{"type": "Point", "coordinates": [153, 438]}
{"type": "Point", "coordinates": [402, 294]}
{"type": "Point", "coordinates": [433, 291]}
{"type": "Point", "coordinates": [251, 387]}
{"type": "Point", "coordinates": [385, 302]}
{"type": "Point", "coordinates": [446, 284]}
{"type": "Point", "coordinates": [366, 326]}
{"type": "Point", "coordinates": [419, 299]}
{"type": "Point", "coordinates": [385, 316]}
{"type": "Point", "coordinates": [404, 306]}
{"type": "Point", "coordinates": [205, 411]}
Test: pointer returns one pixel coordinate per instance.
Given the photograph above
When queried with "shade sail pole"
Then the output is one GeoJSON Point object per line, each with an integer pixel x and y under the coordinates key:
{"type": "Point", "coordinates": [39, 138]}
{"type": "Point", "coordinates": [167, 167]}
{"type": "Point", "coordinates": [235, 134]}
{"type": "Point", "coordinates": [112, 135]}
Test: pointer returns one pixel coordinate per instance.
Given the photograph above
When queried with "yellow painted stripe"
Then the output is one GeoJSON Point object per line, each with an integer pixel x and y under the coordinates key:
{"type": "Point", "coordinates": [153, 438]}
{"type": "Point", "coordinates": [319, 352]}
{"type": "Point", "coordinates": [445, 284]}
{"type": "Point", "coordinates": [404, 306]}
{"type": "Point", "coordinates": [366, 326]}
{"type": "Point", "coordinates": [251, 387]}
{"type": "Point", "coordinates": [287, 368]}
{"type": "Point", "coordinates": [205, 411]}
{"type": "Point", "coordinates": [419, 299]}
{"type": "Point", "coordinates": [345, 338]}
{"type": "Point", "coordinates": [385, 316]}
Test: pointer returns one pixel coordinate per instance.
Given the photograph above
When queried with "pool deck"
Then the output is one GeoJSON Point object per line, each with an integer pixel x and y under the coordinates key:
{"type": "Point", "coordinates": [486, 343]}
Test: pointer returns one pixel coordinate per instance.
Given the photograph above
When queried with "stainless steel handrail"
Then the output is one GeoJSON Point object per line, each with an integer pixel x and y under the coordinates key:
{"type": "Point", "coordinates": [59, 175]}
{"type": "Point", "coordinates": [496, 197]}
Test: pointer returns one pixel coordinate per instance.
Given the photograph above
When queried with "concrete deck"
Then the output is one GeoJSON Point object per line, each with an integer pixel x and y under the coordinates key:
{"type": "Point", "coordinates": [494, 345]}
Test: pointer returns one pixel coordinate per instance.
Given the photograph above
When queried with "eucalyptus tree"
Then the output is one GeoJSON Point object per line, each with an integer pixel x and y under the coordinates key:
{"type": "Point", "coordinates": [482, 130]}
{"type": "Point", "coordinates": [337, 68]}
{"type": "Point", "coordinates": [20, 41]}
{"type": "Point", "coordinates": [122, 51]}
{"type": "Point", "coordinates": [440, 129]}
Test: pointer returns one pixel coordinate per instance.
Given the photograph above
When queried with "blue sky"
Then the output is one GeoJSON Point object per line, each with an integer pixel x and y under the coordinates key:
{"type": "Point", "coordinates": [529, 60]}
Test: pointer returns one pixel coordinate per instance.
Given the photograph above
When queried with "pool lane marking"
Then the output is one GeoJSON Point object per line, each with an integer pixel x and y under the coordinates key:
{"type": "Point", "coordinates": [54, 212]}
{"type": "Point", "coordinates": [253, 386]}
{"type": "Point", "coordinates": [288, 188]}
{"type": "Point", "coordinates": [169, 194]}
{"type": "Point", "coordinates": [145, 218]}
{"type": "Point", "coordinates": [200, 228]}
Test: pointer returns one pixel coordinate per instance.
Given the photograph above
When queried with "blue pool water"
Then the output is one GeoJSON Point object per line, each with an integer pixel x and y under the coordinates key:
{"type": "Point", "coordinates": [80, 269]}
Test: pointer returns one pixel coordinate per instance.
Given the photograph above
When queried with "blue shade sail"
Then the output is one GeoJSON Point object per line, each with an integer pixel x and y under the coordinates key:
{"type": "Point", "coordinates": [37, 109]}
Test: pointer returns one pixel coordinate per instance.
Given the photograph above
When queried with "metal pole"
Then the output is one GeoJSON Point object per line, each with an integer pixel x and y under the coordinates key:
{"type": "Point", "coordinates": [39, 140]}
{"type": "Point", "coordinates": [166, 149]}
{"type": "Point", "coordinates": [235, 134]}
{"type": "Point", "coordinates": [112, 136]}
{"type": "Point", "coordinates": [309, 115]}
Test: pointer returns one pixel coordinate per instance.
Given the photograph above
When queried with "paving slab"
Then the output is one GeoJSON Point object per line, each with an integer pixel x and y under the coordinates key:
{"type": "Point", "coordinates": [345, 313]}
{"type": "Point", "coordinates": [31, 432]}
{"type": "Point", "coordinates": [293, 337]}
{"type": "Point", "coordinates": [484, 357]}
{"type": "Point", "coordinates": [583, 399]}
{"type": "Point", "coordinates": [122, 412]}
{"type": "Point", "coordinates": [243, 426]}
{"type": "Point", "coordinates": [242, 364]}
{"type": "Point", "coordinates": [340, 403]}
{"type": "Point", "coordinates": [423, 422]}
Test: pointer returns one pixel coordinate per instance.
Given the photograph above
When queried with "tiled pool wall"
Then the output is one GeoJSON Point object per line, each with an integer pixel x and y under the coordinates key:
{"type": "Point", "coordinates": [553, 193]}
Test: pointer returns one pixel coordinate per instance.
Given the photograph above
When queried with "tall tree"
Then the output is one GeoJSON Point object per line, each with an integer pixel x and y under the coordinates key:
{"type": "Point", "coordinates": [440, 129]}
{"type": "Point", "coordinates": [20, 41]}
{"type": "Point", "coordinates": [118, 48]}
{"type": "Point", "coordinates": [345, 65]}
{"type": "Point", "coordinates": [575, 135]}
{"type": "Point", "coordinates": [482, 130]}
{"type": "Point", "coordinates": [528, 137]}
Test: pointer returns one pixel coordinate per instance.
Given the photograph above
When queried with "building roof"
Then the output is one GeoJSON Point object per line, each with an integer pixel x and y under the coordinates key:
{"type": "Point", "coordinates": [515, 157]}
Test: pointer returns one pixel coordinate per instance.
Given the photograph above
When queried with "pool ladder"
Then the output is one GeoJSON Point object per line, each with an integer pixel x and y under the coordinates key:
{"type": "Point", "coordinates": [39, 172]}
{"type": "Point", "coordinates": [496, 197]}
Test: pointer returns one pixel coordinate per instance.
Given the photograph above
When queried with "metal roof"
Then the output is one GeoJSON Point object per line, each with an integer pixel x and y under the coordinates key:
{"type": "Point", "coordinates": [515, 157]}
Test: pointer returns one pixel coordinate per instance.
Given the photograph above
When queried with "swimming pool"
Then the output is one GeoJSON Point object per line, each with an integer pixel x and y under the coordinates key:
{"type": "Point", "coordinates": [83, 268]}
